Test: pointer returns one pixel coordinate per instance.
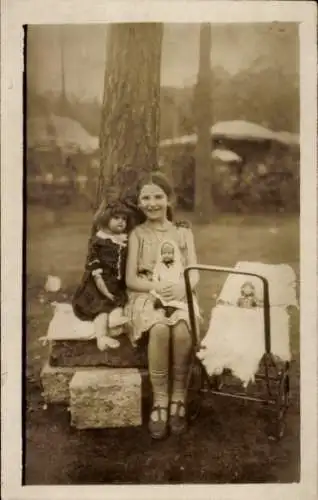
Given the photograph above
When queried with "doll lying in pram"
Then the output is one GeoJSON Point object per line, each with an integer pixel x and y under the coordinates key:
{"type": "Point", "coordinates": [248, 327]}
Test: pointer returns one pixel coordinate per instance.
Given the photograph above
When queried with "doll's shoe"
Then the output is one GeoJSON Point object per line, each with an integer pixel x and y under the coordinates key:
{"type": "Point", "coordinates": [104, 343]}
{"type": "Point", "coordinates": [158, 428]}
{"type": "Point", "coordinates": [178, 419]}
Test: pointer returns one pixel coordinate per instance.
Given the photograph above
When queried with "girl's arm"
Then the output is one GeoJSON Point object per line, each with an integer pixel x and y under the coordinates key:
{"type": "Point", "coordinates": [192, 259]}
{"type": "Point", "coordinates": [133, 281]}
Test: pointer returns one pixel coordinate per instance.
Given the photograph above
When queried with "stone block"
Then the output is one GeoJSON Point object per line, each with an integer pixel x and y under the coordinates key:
{"type": "Point", "coordinates": [72, 353]}
{"type": "Point", "coordinates": [106, 397]}
{"type": "Point", "coordinates": [55, 383]}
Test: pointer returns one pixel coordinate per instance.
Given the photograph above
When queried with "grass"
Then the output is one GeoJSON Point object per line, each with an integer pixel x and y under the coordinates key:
{"type": "Point", "coordinates": [228, 442]}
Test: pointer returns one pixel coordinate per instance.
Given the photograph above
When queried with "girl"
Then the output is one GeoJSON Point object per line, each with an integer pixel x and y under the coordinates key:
{"type": "Point", "coordinates": [102, 293]}
{"type": "Point", "coordinates": [155, 196]}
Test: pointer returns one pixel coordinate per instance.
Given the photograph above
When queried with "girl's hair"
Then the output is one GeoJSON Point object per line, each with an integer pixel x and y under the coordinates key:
{"type": "Point", "coordinates": [115, 209]}
{"type": "Point", "coordinates": [160, 180]}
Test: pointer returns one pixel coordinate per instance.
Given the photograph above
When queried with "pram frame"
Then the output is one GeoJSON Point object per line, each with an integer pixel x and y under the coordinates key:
{"type": "Point", "coordinates": [199, 380]}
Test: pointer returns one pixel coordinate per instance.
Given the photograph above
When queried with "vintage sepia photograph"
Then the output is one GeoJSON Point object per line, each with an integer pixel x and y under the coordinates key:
{"type": "Point", "coordinates": [159, 253]}
{"type": "Point", "coordinates": [150, 149]}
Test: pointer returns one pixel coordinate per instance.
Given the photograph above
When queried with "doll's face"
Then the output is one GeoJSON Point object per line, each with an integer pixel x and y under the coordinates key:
{"type": "Point", "coordinates": [248, 290]}
{"type": "Point", "coordinates": [117, 224]}
{"type": "Point", "coordinates": [167, 253]}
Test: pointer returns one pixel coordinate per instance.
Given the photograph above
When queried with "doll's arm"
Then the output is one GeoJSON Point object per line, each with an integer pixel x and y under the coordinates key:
{"type": "Point", "coordinates": [93, 265]}
{"type": "Point", "coordinates": [93, 261]}
{"type": "Point", "coordinates": [101, 285]}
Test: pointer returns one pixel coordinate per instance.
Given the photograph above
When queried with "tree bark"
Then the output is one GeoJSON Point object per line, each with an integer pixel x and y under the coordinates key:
{"type": "Point", "coordinates": [203, 196]}
{"type": "Point", "coordinates": [130, 115]}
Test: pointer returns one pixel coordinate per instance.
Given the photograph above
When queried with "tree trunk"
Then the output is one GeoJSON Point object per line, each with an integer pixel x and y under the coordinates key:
{"type": "Point", "coordinates": [130, 114]}
{"type": "Point", "coordinates": [203, 182]}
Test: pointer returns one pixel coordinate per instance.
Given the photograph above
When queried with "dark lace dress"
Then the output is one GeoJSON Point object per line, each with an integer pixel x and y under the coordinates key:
{"type": "Point", "coordinates": [107, 257]}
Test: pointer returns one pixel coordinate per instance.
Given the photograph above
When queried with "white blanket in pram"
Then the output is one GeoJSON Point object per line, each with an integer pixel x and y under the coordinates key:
{"type": "Point", "coordinates": [281, 280]}
{"type": "Point", "coordinates": [235, 338]}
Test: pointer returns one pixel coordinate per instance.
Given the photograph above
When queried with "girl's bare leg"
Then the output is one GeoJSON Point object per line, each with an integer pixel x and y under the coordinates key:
{"type": "Point", "coordinates": [181, 351]}
{"type": "Point", "coordinates": [158, 360]}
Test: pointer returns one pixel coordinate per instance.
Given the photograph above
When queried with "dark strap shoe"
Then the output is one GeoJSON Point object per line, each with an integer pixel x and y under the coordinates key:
{"type": "Point", "coordinates": [158, 428]}
{"type": "Point", "coordinates": [178, 419]}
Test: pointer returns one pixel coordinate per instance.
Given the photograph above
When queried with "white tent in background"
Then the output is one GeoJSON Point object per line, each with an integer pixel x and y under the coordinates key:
{"type": "Point", "coordinates": [65, 133]}
{"type": "Point", "coordinates": [225, 155]}
{"type": "Point", "coordinates": [287, 138]}
{"type": "Point", "coordinates": [235, 129]}
{"type": "Point", "coordinates": [39, 133]}
{"type": "Point", "coordinates": [71, 135]}
{"type": "Point", "coordinates": [241, 129]}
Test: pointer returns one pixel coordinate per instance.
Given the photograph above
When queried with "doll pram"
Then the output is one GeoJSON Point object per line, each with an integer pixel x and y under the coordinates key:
{"type": "Point", "coordinates": [272, 374]}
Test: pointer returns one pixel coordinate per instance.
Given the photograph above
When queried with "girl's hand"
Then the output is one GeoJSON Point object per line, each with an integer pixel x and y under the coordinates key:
{"type": "Point", "coordinates": [178, 291]}
{"type": "Point", "coordinates": [173, 291]}
{"type": "Point", "coordinates": [162, 288]}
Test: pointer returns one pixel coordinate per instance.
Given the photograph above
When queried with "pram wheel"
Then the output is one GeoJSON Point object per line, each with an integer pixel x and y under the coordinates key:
{"type": "Point", "coordinates": [283, 399]}
{"type": "Point", "coordinates": [195, 390]}
{"type": "Point", "coordinates": [277, 428]}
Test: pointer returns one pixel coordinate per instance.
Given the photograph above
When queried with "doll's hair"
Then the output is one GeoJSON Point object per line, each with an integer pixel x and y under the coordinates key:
{"type": "Point", "coordinates": [160, 180]}
{"type": "Point", "coordinates": [247, 283]}
{"type": "Point", "coordinates": [114, 209]}
{"type": "Point", "coordinates": [166, 243]}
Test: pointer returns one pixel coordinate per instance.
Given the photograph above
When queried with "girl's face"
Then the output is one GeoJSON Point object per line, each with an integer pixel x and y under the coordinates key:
{"type": "Point", "coordinates": [153, 202]}
{"type": "Point", "coordinates": [117, 224]}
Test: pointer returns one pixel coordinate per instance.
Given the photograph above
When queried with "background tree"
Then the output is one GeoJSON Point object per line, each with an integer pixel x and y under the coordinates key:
{"type": "Point", "coordinates": [203, 201]}
{"type": "Point", "coordinates": [63, 105]}
{"type": "Point", "coordinates": [130, 112]}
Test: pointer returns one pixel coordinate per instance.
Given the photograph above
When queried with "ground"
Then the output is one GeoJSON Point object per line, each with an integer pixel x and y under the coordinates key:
{"type": "Point", "coordinates": [226, 444]}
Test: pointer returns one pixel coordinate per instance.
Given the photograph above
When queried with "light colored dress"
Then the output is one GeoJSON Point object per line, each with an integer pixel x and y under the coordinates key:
{"type": "Point", "coordinates": [140, 308]}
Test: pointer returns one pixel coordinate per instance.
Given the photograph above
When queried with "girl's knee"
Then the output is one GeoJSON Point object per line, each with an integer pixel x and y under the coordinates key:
{"type": "Point", "coordinates": [181, 329]}
{"type": "Point", "coordinates": [159, 332]}
{"type": "Point", "coordinates": [181, 333]}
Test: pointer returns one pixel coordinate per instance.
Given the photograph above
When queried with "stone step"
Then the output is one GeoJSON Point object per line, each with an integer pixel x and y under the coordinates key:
{"type": "Point", "coordinates": [73, 353]}
{"type": "Point", "coordinates": [55, 382]}
{"type": "Point", "coordinates": [106, 397]}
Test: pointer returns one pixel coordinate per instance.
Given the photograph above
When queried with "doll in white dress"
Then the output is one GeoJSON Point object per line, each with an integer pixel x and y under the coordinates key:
{"type": "Point", "coordinates": [169, 269]}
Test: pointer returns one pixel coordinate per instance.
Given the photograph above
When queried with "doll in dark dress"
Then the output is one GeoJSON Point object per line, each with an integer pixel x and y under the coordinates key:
{"type": "Point", "coordinates": [101, 295]}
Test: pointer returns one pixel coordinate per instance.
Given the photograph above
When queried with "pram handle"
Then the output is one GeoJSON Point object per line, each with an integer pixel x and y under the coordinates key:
{"type": "Point", "coordinates": [229, 270]}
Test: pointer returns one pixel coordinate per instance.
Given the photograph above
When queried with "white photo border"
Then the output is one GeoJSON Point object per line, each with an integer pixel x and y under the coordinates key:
{"type": "Point", "coordinates": [16, 14]}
